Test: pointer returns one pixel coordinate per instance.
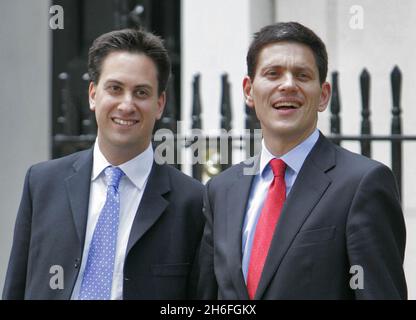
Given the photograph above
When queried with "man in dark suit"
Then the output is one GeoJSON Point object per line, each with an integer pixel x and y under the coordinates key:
{"type": "Point", "coordinates": [304, 219]}
{"type": "Point", "coordinates": [109, 222]}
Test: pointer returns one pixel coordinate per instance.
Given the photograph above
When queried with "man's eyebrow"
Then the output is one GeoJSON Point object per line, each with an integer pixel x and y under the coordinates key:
{"type": "Point", "coordinates": [297, 68]}
{"type": "Point", "coordinates": [303, 67]}
{"type": "Point", "coordinates": [272, 65]}
{"type": "Point", "coordinates": [113, 81]}
{"type": "Point", "coordinates": [144, 85]}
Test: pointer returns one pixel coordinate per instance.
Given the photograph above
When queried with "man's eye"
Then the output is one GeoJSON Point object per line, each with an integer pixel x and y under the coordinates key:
{"type": "Point", "coordinates": [303, 75]}
{"type": "Point", "coordinates": [141, 93]}
{"type": "Point", "coordinates": [114, 89]}
{"type": "Point", "coordinates": [272, 75]}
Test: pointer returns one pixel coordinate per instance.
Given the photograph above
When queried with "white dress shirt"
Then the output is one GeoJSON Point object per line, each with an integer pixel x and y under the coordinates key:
{"type": "Point", "coordinates": [294, 160]}
{"type": "Point", "coordinates": [131, 188]}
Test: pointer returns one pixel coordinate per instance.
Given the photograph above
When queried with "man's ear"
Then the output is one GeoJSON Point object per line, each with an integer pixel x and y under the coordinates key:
{"type": "Point", "coordinates": [161, 102]}
{"type": "Point", "coordinates": [248, 90]}
{"type": "Point", "coordinates": [91, 95]}
{"type": "Point", "coordinates": [325, 95]}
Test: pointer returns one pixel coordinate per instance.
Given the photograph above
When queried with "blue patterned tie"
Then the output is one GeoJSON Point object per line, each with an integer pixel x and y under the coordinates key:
{"type": "Point", "coordinates": [98, 274]}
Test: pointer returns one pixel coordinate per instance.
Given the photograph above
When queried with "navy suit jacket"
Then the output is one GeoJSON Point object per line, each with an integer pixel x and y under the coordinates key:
{"type": "Point", "coordinates": [51, 225]}
{"type": "Point", "coordinates": [342, 216]}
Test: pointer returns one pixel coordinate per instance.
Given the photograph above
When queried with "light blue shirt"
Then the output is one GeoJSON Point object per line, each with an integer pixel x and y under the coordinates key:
{"type": "Point", "coordinates": [132, 186]}
{"type": "Point", "coordinates": [294, 160]}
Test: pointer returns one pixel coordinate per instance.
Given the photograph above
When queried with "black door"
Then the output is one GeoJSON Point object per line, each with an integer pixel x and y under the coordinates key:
{"type": "Point", "coordinates": [73, 125]}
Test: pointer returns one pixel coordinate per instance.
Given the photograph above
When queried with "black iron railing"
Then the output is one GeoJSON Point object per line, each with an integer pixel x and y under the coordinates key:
{"type": "Point", "coordinates": [213, 160]}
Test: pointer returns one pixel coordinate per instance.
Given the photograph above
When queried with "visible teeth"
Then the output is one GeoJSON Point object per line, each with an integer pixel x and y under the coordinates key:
{"type": "Point", "coordinates": [124, 122]}
{"type": "Point", "coordinates": [286, 104]}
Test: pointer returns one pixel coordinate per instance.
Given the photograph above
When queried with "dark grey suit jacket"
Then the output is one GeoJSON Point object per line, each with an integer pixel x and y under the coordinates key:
{"type": "Point", "coordinates": [343, 211]}
{"type": "Point", "coordinates": [51, 225]}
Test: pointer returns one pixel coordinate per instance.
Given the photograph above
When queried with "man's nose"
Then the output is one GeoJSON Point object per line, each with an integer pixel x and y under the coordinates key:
{"type": "Point", "coordinates": [288, 82]}
{"type": "Point", "coordinates": [127, 105]}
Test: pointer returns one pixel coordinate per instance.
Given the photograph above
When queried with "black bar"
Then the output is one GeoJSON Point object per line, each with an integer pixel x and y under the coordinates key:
{"type": "Point", "coordinates": [196, 120]}
{"type": "Point", "coordinates": [226, 119]}
{"type": "Point", "coordinates": [365, 112]}
{"type": "Point", "coordinates": [252, 146]}
{"type": "Point", "coordinates": [89, 124]}
{"type": "Point", "coordinates": [396, 126]}
{"type": "Point", "coordinates": [70, 118]}
{"type": "Point", "coordinates": [335, 107]}
{"type": "Point", "coordinates": [168, 122]}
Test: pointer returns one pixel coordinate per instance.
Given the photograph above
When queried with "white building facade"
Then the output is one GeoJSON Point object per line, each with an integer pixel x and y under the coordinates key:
{"type": "Point", "coordinates": [376, 35]}
{"type": "Point", "coordinates": [371, 34]}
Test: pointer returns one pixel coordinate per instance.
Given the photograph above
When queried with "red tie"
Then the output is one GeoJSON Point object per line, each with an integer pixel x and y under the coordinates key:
{"type": "Point", "coordinates": [266, 225]}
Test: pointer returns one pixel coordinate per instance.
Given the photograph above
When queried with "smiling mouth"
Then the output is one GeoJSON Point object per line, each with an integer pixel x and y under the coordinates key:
{"type": "Point", "coordinates": [285, 105]}
{"type": "Point", "coordinates": [125, 123]}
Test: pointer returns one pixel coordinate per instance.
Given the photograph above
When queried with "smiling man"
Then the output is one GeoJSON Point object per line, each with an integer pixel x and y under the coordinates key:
{"type": "Point", "coordinates": [314, 221]}
{"type": "Point", "coordinates": [109, 222]}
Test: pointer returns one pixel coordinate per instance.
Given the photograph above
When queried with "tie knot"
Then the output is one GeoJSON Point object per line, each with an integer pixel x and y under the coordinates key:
{"type": "Point", "coordinates": [278, 167]}
{"type": "Point", "coordinates": [113, 176]}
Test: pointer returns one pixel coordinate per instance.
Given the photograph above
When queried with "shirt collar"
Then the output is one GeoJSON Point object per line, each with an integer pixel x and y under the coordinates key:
{"type": "Point", "coordinates": [295, 158]}
{"type": "Point", "coordinates": [136, 169]}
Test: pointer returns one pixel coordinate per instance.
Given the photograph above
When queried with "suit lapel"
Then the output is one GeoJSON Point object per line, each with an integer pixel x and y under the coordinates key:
{"type": "Point", "coordinates": [152, 203]}
{"type": "Point", "coordinates": [78, 190]}
{"type": "Point", "coordinates": [151, 206]}
{"type": "Point", "coordinates": [309, 187]}
{"type": "Point", "coordinates": [236, 209]}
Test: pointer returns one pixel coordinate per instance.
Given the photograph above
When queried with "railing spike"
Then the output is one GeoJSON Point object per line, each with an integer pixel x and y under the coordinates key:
{"type": "Point", "coordinates": [335, 107]}
{"type": "Point", "coordinates": [365, 81]}
{"type": "Point", "coordinates": [396, 125]}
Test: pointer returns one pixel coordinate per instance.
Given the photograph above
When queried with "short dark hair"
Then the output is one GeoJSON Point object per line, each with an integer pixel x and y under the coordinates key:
{"type": "Point", "coordinates": [134, 41]}
{"type": "Point", "coordinates": [288, 31]}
